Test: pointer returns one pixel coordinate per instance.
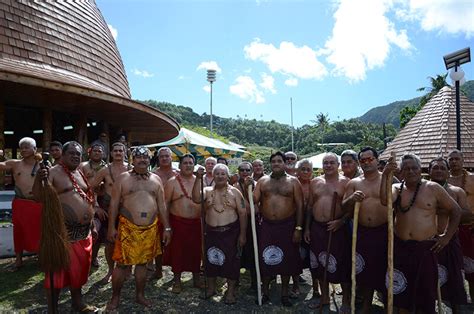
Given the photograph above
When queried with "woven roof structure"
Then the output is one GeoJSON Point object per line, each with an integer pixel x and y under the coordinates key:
{"type": "Point", "coordinates": [61, 55]}
{"type": "Point", "coordinates": [431, 132]}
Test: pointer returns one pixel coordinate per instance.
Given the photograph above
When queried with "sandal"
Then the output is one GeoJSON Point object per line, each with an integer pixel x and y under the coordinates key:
{"type": "Point", "coordinates": [285, 301]}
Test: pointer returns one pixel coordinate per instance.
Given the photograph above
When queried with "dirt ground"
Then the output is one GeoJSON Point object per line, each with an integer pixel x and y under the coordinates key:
{"type": "Point", "coordinates": [23, 290]}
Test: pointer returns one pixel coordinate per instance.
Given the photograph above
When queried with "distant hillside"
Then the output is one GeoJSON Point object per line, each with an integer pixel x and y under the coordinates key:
{"type": "Point", "coordinates": [391, 113]}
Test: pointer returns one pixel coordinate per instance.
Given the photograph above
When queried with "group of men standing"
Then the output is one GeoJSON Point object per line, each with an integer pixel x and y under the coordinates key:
{"type": "Point", "coordinates": [189, 220]}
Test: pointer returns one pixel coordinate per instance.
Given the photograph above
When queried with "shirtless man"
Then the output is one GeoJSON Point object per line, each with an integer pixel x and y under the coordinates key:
{"type": "Point", "coordinates": [137, 198]}
{"type": "Point", "coordinates": [209, 165]}
{"type": "Point", "coordinates": [26, 211]}
{"type": "Point", "coordinates": [90, 169]}
{"type": "Point", "coordinates": [106, 177]}
{"type": "Point", "coordinates": [55, 150]}
{"type": "Point", "coordinates": [417, 202]}
{"type": "Point", "coordinates": [184, 251]}
{"type": "Point", "coordinates": [280, 200]}
{"type": "Point", "coordinates": [450, 260]}
{"type": "Point", "coordinates": [258, 169]}
{"type": "Point", "coordinates": [465, 180]}
{"type": "Point", "coordinates": [371, 249]}
{"type": "Point", "coordinates": [165, 171]}
{"type": "Point", "coordinates": [325, 192]}
{"type": "Point", "coordinates": [226, 224]}
{"type": "Point", "coordinates": [290, 163]}
{"type": "Point", "coordinates": [350, 164]}
{"type": "Point", "coordinates": [77, 201]}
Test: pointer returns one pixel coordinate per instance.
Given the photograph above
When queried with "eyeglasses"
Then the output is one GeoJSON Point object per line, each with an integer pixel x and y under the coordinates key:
{"type": "Point", "coordinates": [246, 170]}
{"type": "Point", "coordinates": [367, 160]}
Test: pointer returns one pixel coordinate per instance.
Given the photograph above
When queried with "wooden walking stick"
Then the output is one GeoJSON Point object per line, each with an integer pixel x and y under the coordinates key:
{"type": "Point", "coordinates": [255, 245]}
{"type": "Point", "coordinates": [440, 299]}
{"type": "Point", "coordinates": [53, 253]}
{"type": "Point", "coordinates": [390, 241]}
{"type": "Point", "coordinates": [325, 276]}
{"type": "Point", "coordinates": [354, 243]}
{"type": "Point", "coordinates": [203, 232]}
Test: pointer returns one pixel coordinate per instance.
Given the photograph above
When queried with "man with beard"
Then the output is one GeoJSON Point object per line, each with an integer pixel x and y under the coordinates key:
{"type": "Point", "coordinates": [225, 223]}
{"type": "Point", "coordinates": [417, 202]}
{"type": "Point", "coordinates": [137, 198]}
{"type": "Point", "coordinates": [209, 165]}
{"type": "Point", "coordinates": [465, 180]}
{"type": "Point", "coordinates": [165, 171]}
{"type": "Point", "coordinates": [450, 259]}
{"type": "Point", "coordinates": [371, 248]}
{"type": "Point", "coordinates": [325, 196]}
{"type": "Point", "coordinates": [280, 200]}
{"type": "Point", "coordinates": [350, 164]}
{"type": "Point", "coordinates": [90, 169]}
{"type": "Point", "coordinates": [184, 251]}
{"type": "Point", "coordinates": [26, 212]}
{"type": "Point", "coordinates": [258, 169]}
{"type": "Point", "coordinates": [77, 200]}
{"type": "Point", "coordinates": [290, 163]}
{"type": "Point", "coordinates": [55, 151]}
{"type": "Point", "coordinates": [106, 177]}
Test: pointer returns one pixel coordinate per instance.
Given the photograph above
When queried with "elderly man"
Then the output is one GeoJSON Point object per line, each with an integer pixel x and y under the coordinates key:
{"type": "Point", "coordinates": [77, 200]}
{"type": "Point", "coordinates": [141, 198]}
{"type": "Point", "coordinates": [184, 252]}
{"type": "Point", "coordinates": [371, 249]}
{"type": "Point", "coordinates": [106, 178]}
{"type": "Point", "coordinates": [350, 164]}
{"type": "Point", "coordinates": [226, 224]}
{"type": "Point", "coordinates": [55, 150]}
{"type": "Point", "coordinates": [26, 211]}
{"type": "Point", "coordinates": [417, 203]}
{"type": "Point", "coordinates": [290, 163]}
{"type": "Point", "coordinates": [280, 200]}
{"type": "Point", "coordinates": [450, 261]}
{"type": "Point", "coordinates": [258, 169]}
{"type": "Point", "coordinates": [325, 197]}
{"type": "Point", "coordinates": [209, 165]}
{"type": "Point", "coordinates": [465, 180]}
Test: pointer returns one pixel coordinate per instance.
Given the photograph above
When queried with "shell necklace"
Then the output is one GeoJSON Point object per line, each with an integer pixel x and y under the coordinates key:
{"type": "Point", "coordinates": [225, 200]}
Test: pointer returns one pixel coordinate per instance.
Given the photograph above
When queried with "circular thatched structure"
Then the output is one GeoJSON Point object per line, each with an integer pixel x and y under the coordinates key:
{"type": "Point", "coordinates": [62, 78]}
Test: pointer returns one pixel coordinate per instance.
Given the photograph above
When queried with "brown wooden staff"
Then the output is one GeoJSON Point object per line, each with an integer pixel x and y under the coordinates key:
{"type": "Point", "coordinates": [203, 233]}
{"type": "Point", "coordinates": [353, 268]}
{"type": "Point", "coordinates": [53, 253]}
{"type": "Point", "coordinates": [255, 245]}
{"type": "Point", "coordinates": [325, 276]}
{"type": "Point", "coordinates": [390, 241]}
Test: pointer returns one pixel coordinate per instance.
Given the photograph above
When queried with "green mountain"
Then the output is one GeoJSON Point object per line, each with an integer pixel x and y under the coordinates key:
{"type": "Point", "coordinates": [391, 113]}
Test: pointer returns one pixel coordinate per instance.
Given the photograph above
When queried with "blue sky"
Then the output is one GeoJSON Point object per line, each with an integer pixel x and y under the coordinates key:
{"type": "Point", "coordinates": [337, 57]}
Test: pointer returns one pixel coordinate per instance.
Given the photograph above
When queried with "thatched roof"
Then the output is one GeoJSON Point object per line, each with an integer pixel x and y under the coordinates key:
{"type": "Point", "coordinates": [61, 55]}
{"type": "Point", "coordinates": [431, 132]}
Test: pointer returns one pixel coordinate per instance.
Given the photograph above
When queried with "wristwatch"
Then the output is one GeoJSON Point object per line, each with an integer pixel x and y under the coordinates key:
{"type": "Point", "coordinates": [299, 228]}
{"type": "Point", "coordinates": [168, 229]}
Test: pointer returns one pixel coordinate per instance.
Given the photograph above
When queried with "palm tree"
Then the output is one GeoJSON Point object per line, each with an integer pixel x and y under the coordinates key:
{"type": "Point", "coordinates": [322, 123]}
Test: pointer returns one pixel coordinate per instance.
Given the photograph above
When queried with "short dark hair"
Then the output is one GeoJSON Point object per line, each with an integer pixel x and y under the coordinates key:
{"type": "Point", "coordinates": [366, 149]}
{"type": "Point", "coordinates": [56, 144]}
{"type": "Point", "coordinates": [181, 158]}
{"type": "Point", "coordinates": [278, 153]}
{"type": "Point", "coordinates": [71, 143]}
{"type": "Point", "coordinates": [436, 160]}
{"type": "Point", "coordinates": [222, 159]}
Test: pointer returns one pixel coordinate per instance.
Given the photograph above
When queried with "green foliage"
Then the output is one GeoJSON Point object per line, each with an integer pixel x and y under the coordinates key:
{"type": "Point", "coordinates": [407, 113]}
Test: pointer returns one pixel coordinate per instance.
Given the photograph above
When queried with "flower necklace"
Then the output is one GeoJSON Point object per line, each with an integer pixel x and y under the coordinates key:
{"type": "Point", "coordinates": [225, 202]}
{"type": "Point", "coordinates": [139, 176]}
{"type": "Point", "coordinates": [89, 195]}
{"type": "Point", "coordinates": [464, 177]}
{"type": "Point", "coordinates": [101, 165]}
{"type": "Point", "coordinates": [183, 189]}
{"type": "Point", "coordinates": [413, 199]}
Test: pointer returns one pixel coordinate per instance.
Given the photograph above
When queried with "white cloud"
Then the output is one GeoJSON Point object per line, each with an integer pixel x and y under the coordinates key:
{"type": "Point", "coordinates": [362, 37]}
{"type": "Point", "coordinates": [268, 83]}
{"type": "Point", "coordinates": [142, 73]}
{"type": "Point", "coordinates": [206, 88]}
{"type": "Point", "coordinates": [209, 65]}
{"type": "Point", "coordinates": [114, 31]}
{"type": "Point", "coordinates": [291, 82]}
{"type": "Point", "coordinates": [246, 88]}
{"type": "Point", "coordinates": [445, 16]}
{"type": "Point", "coordinates": [287, 59]}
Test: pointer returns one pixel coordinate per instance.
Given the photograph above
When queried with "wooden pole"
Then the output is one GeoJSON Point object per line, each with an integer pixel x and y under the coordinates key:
{"type": "Point", "coordinates": [390, 242]}
{"type": "Point", "coordinates": [354, 243]}
{"type": "Point", "coordinates": [255, 245]}
{"type": "Point", "coordinates": [440, 299]}
{"type": "Point", "coordinates": [203, 232]}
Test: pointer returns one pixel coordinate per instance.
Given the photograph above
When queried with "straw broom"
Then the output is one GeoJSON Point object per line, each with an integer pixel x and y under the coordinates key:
{"type": "Point", "coordinates": [255, 245]}
{"type": "Point", "coordinates": [390, 242]}
{"type": "Point", "coordinates": [53, 253]}
{"type": "Point", "coordinates": [353, 267]}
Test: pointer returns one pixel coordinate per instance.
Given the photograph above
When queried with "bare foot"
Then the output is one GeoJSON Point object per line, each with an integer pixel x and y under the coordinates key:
{"type": "Point", "coordinates": [197, 283]}
{"type": "Point", "coordinates": [156, 275]}
{"type": "Point", "coordinates": [113, 304]}
{"type": "Point", "coordinates": [141, 300]}
{"type": "Point", "coordinates": [176, 287]}
{"type": "Point", "coordinates": [106, 279]}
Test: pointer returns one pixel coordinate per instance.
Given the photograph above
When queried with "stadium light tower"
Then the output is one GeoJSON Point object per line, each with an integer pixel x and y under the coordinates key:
{"type": "Point", "coordinates": [211, 78]}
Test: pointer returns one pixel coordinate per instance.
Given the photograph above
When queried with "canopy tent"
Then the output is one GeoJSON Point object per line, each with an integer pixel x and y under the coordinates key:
{"type": "Point", "coordinates": [317, 160]}
{"type": "Point", "coordinates": [189, 142]}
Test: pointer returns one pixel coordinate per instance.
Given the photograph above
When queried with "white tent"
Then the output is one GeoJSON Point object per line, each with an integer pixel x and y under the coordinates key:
{"type": "Point", "coordinates": [317, 160]}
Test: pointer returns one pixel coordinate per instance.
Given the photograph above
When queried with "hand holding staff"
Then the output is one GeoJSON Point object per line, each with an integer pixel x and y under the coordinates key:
{"type": "Point", "coordinates": [255, 245]}
{"type": "Point", "coordinates": [354, 243]}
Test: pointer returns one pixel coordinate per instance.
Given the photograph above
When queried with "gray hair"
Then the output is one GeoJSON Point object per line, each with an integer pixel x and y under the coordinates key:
{"type": "Point", "coordinates": [301, 162]}
{"type": "Point", "coordinates": [210, 158]}
{"type": "Point", "coordinates": [350, 152]}
{"type": "Point", "coordinates": [257, 161]}
{"type": "Point", "coordinates": [246, 163]}
{"type": "Point", "coordinates": [164, 149]}
{"type": "Point", "coordinates": [331, 154]}
{"type": "Point", "coordinates": [27, 140]}
{"type": "Point", "coordinates": [410, 156]}
{"type": "Point", "coordinates": [220, 167]}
